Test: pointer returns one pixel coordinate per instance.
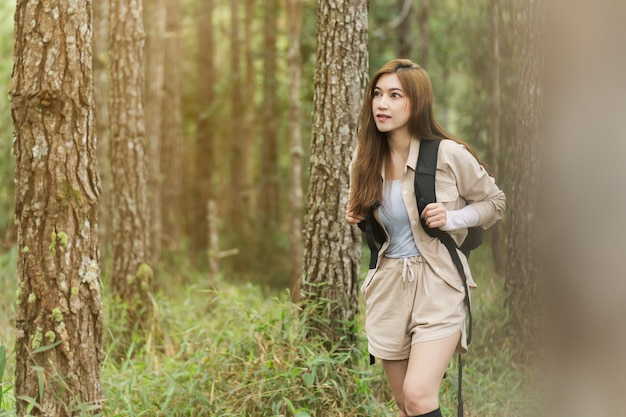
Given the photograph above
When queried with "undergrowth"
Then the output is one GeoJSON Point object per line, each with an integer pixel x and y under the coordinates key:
{"type": "Point", "coordinates": [219, 349]}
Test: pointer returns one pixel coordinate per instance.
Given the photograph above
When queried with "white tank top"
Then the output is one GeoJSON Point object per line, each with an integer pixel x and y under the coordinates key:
{"type": "Point", "coordinates": [395, 218]}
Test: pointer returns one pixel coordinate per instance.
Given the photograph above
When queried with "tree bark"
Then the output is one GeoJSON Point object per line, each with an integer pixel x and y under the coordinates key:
{"type": "Point", "coordinates": [237, 172]}
{"type": "Point", "coordinates": [268, 196]}
{"type": "Point", "coordinates": [154, 18]}
{"type": "Point", "coordinates": [405, 29]}
{"type": "Point", "coordinates": [332, 247]}
{"type": "Point", "coordinates": [131, 276]}
{"type": "Point", "coordinates": [497, 240]}
{"type": "Point", "coordinates": [171, 131]}
{"type": "Point", "coordinates": [59, 312]}
{"type": "Point", "coordinates": [203, 185]}
{"type": "Point", "coordinates": [101, 99]}
{"type": "Point", "coordinates": [294, 62]}
{"type": "Point", "coordinates": [423, 43]}
{"type": "Point", "coordinates": [521, 272]}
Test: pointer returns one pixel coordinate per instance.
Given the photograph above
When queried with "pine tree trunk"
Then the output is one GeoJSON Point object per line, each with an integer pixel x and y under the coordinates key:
{"type": "Point", "coordinates": [521, 271]}
{"type": "Point", "coordinates": [405, 29]}
{"type": "Point", "coordinates": [131, 276]}
{"type": "Point", "coordinates": [294, 23]}
{"type": "Point", "coordinates": [332, 247]}
{"type": "Point", "coordinates": [154, 18]}
{"type": "Point", "coordinates": [101, 98]}
{"type": "Point", "coordinates": [497, 240]}
{"type": "Point", "coordinates": [59, 312]}
{"type": "Point", "coordinates": [423, 43]}
{"type": "Point", "coordinates": [171, 139]}
{"type": "Point", "coordinates": [268, 197]}
{"type": "Point", "coordinates": [205, 137]}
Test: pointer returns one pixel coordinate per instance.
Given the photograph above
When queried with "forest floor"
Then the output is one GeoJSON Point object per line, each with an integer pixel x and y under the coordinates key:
{"type": "Point", "coordinates": [221, 349]}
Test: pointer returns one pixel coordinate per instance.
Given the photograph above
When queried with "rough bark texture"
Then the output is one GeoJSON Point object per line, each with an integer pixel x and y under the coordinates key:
{"type": "Point", "coordinates": [154, 18]}
{"type": "Point", "coordinates": [521, 271]}
{"type": "Point", "coordinates": [294, 59]}
{"type": "Point", "coordinates": [332, 247]}
{"type": "Point", "coordinates": [131, 277]}
{"type": "Point", "coordinates": [171, 140]}
{"type": "Point", "coordinates": [59, 313]}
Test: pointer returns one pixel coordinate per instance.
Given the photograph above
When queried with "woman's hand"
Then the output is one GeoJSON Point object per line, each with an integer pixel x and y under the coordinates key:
{"type": "Point", "coordinates": [435, 215]}
{"type": "Point", "coordinates": [354, 218]}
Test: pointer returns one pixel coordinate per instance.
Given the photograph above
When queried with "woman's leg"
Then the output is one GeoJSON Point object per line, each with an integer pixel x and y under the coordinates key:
{"type": "Point", "coordinates": [396, 372]}
{"type": "Point", "coordinates": [427, 364]}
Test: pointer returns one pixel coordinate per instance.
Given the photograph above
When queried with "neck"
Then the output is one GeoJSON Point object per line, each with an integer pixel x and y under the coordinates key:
{"type": "Point", "coordinates": [399, 143]}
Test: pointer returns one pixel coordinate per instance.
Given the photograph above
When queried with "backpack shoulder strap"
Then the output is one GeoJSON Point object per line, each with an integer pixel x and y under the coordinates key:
{"type": "Point", "coordinates": [425, 171]}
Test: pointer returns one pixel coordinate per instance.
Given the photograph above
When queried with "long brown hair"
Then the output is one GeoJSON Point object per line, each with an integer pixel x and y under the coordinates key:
{"type": "Point", "coordinates": [372, 146]}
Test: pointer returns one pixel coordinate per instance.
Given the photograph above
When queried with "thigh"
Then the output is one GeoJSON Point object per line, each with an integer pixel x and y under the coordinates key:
{"type": "Point", "coordinates": [428, 363]}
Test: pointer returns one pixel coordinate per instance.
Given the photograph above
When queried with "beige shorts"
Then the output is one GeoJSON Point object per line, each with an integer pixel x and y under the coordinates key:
{"type": "Point", "coordinates": [406, 302]}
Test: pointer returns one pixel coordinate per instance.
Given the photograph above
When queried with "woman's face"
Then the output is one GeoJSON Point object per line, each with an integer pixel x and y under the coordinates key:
{"type": "Point", "coordinates": [390, 105]}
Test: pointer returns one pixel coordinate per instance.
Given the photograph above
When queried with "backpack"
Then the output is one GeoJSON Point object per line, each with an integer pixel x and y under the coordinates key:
{"type": "Point", "coordinates": [425, 194]}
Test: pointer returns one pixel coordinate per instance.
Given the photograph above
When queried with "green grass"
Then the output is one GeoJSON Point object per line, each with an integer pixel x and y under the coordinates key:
{"type": "Point", "coordinates": [238, 350]}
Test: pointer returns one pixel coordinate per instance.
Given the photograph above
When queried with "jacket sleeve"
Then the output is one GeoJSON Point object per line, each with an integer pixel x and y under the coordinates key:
{"type": "Point", "coordinates": [475, 185]}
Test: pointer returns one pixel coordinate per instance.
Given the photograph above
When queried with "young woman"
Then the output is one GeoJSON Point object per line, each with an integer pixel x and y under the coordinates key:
{"type": "Point", "coordinates": [414, 297]}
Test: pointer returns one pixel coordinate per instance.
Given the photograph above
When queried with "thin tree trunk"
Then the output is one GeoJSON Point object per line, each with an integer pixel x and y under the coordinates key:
{"type": "Point", "coordinates": [171, 131]}
{"type": "Point", "coordinates": [332, 248]}
{"type": "Point", "coordinates": [131, 275]}
{"type": "Point", "coordinates": [237, 173]}
{"type": "Point", "coordinates": [497, 241]}
{"type": "Point", "coordinates": [294, 59]}
{"type": "Point", "coordinates": [101, 97]}
{"type": "Point", "coordinates": [423, 43]}
{"type": "Point", "coordinates": [154, 18]}
{"type": "Point", "coordinates": [59, 312]}
{"type": "Point", "coordinates": [521, 271]}
{"type": "Point", "coordinates": [268, 197]}
{"type": "Point", "coordinates": [205, 137]}
{"type": "Point", "coordinates": [405, 29]}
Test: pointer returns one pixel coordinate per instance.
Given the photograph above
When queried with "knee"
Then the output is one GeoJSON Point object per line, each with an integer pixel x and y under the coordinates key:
{"type": "Point", "coordinates": [419, 400]}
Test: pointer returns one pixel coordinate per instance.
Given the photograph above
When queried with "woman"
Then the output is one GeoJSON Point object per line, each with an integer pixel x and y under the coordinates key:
{"type": "Point", "coordinates": [414, 296]}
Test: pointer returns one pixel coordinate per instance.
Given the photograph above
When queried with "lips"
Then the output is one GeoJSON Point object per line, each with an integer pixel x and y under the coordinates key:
{"type": "Point", "coordinates": [383, 117]}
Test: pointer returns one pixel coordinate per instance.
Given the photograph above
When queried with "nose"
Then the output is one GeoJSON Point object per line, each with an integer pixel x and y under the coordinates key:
{"type": "Point", "coordinates": [382, 102]}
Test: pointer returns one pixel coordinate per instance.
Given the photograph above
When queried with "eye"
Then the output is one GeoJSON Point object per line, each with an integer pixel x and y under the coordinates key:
{"type": "Point", "coordinates": [396, 95]}
{"type": "Point", "coordinates": [377, 93]}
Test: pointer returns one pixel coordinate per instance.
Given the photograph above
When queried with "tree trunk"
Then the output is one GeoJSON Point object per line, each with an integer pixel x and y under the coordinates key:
{"type": "Point", "coordinates": [497, 240]}
{"type": "Point", "coordinates": [268, 197]}
{"type": "Point", "coordinates": [332, 247]}
{"type": "Point", "coordinates": [59, 312]}
{"type": "Point", "coordinates": [154, 18]}
{"type": "Point", "coordinates": [203, 185]}
{"type": "Point", "coordinates": [405, 29]}
{"type": "Point", "coordinates": [171, 131]}
{"type": "Point", "coordinates": [423, 14]}
{"type": "Point", "coordinates": [294, 62]}
{"type": "Point", "coordinates": [101, 99]}
{"type": "Point", "coordinates": [521, 271]}
{"type": "Point", "coordinates": [131, 276]}
{"type": "Point", "coordinates": [237, 172]}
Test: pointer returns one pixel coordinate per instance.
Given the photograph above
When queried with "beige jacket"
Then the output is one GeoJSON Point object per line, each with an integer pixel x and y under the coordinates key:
{"type": "Point", "coordinates": [460, 180]}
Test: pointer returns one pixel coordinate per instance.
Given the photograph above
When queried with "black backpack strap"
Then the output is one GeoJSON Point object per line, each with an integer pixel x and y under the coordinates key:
{"type": "Point", "coordinates": [371, 241]}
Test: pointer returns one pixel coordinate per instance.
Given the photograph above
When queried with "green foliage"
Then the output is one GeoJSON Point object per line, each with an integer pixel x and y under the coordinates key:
{"type": "Point", "coordinates": [232, 350]}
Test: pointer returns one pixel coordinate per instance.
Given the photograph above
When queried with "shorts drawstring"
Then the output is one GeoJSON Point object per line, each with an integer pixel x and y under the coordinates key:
{"type": "Point", "coordinates": [407, 272]}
